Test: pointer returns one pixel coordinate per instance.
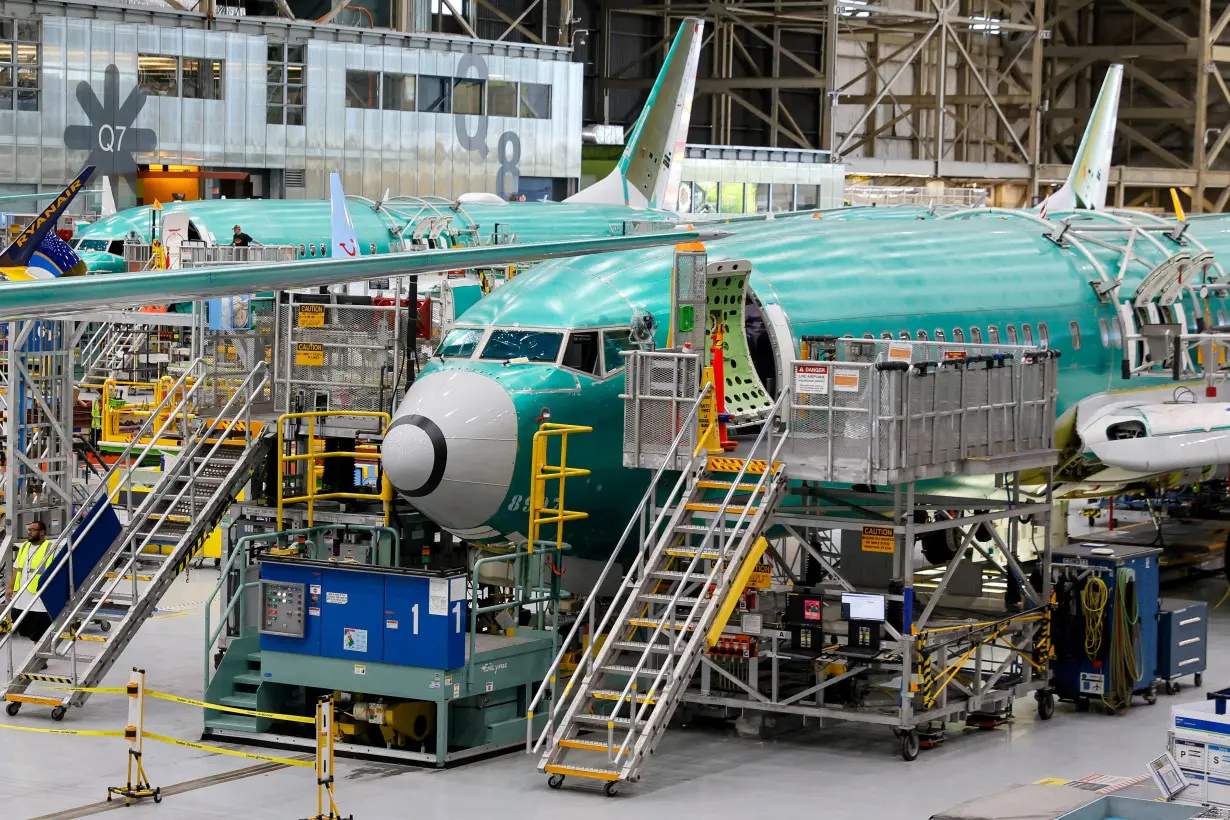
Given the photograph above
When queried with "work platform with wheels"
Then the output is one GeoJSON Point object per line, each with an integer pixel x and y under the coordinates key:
{"type": "Point", "coordinates": [772, 572]}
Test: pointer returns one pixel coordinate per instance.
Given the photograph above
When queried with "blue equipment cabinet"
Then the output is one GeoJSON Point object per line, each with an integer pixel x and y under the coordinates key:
{"type": "Point", "coordinates": [370, 614]}
{"type": "Point", "coordinates": [1182, 641]}
{"type": "Point", "coordinates": [1127, 570]}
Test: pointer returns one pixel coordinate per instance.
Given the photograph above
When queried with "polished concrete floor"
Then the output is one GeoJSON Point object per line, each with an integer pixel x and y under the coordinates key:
{"type": "Point", "coordinates": [852, 772]}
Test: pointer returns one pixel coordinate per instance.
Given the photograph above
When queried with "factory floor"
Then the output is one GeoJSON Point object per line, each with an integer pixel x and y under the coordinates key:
{"type": "Point", "coordinates": [838, 772]}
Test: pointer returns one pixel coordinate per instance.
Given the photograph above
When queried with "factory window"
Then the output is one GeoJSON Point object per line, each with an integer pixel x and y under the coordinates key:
{"type": "Point", "coordinates": [975, 336]}
{"type": "Point", "coordinates": [613, 343]}
{"type": "Point", "coordinates": [922, 335]}
{"type": "Point", "coordinates": [467, 96]}
{"type": "Point", "coordinates": [157, 75]}
{"type": "Point", "coordinates": [534, 345]}
{"type": "Point", "coordinates": [958, 335]}
{"type": "Point", "coordinates": [502, 98]}
{"type": "Point", "coordinates": [993, 335]}
{"type": "Point", "coordinates": [1044, 338]}
{"type": "Point", "coordinates": [460, 343]}
{"type": "Point", "coordinates": [1076, 335]}
{"type": "Point", "coordinates": [808, 197]}
{"type": "Point", "coordinates": [782, 197]}
{"type": "Point", "coordinates": [362, 89]}
{"type": "Point", "coordinates": [581, 352]}
{"type": "Point", "coordinates": [433, 94]}
{"type": "Point", "coordinates": [731, 197]}
{"type": "Point", "coordinates": [284, 81]}
{"type": "Point", "coordinates": [160, 75]}
{"type": "Point", "coordinates": [202, 79]}
{"type": "Point", "coordinates": [759, 198]}
{"type": "Point", "coordinates": [1027, 334]}
{"type": "Point", "coordinates": [1011, 334]}
{"type": "Point", "coordinates": [1221, 317]}
{"type": "Point", "coordinates": [536, 101]}
{"type": "Point", "coordinates": [397, 92]}
{"type": "Point", "coordinates": [939, 335]}
{"type": "Point", "coordinates": [20, 60]}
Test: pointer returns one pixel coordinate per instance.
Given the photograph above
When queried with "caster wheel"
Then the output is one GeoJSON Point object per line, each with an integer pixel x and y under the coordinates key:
{"type": "Point", "coordinates": [1198, 679]}
{"type": "Point", "coordinates": [1172, 687]}
{"type": "Point", "coordinates": [897, 732]}
{"type": "Point", "coordinates": [12, 708]}
{"type": "Point", "coordinates": [105, 626]}
{"type": "Point", "coordinates": [1151, 697]}
{"type": "Point", "coordinates": [611, 788]}
{"type": "Point", "coordinates": [1046, 705]}
{"type": "Point", "coordinates": [909, 746]}
{"type": "Point", "coordinates": [555, 781]}
{"type": "Point", "coordinates": [57, 713]}
{"type": "Point", "coordinates": [157, 795]}
{"type": "Point", "coordinates": [1082, 704]}
{"type": "Point", "coordinates": [217, 563]}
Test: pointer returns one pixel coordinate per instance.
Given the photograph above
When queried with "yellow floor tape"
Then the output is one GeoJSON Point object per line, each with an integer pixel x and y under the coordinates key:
{"type": "Point", "coordinates": [235, 709]}
{"type": "Point", "coordinates": [83, 732]}
{"type": "Point", "coordinates": [285, 761]}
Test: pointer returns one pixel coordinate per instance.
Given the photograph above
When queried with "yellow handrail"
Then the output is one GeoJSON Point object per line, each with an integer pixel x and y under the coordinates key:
{"type": "Point", "coordinates": [311, 457]}
{"type": "Point", "coordinates": [541, 472]}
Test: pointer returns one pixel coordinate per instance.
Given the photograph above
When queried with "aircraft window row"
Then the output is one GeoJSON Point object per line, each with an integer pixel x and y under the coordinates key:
{"type": "Point", "coordinates": [1025, 336]}
{"type": "Point", "coordinates": [594, 352]}
{"type": "Point", "coordinates": [387, 91]}
{"type": "Point", "coordinates": [164, 75]}
{"type": "Point", "coordinates": [20, 59]}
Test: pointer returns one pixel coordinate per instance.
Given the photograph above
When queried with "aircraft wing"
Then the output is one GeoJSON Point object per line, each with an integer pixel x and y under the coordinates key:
{"type": "Point", "coordinates": [59, 297]}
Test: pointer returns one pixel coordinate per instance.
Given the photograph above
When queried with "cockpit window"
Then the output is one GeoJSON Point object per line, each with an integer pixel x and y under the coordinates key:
{"type": "Point", "coordinates": [535, 345]}
{"type": "Point", "coordinates": [460, 342]}
{"type": "Point", "coordinates": [92, 245]}
{"type": "Point", "coordinates": [581, 352]}
{"type": "Point", "coordinates": [613, 342]}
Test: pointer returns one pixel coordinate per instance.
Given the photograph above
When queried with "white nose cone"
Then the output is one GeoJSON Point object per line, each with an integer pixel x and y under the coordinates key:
{"type": "Point", "coordinates": [452, 448]}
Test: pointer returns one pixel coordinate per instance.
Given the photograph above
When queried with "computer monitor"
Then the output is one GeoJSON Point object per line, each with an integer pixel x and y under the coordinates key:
{"type": "Point", "coordinates": [857, 606]}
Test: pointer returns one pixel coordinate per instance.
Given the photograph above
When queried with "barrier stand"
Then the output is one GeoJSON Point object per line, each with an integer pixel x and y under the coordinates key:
{"type": "Point", "coordinates": [324, 761]}
{"type": "Point", "coordinates": [134, 733]}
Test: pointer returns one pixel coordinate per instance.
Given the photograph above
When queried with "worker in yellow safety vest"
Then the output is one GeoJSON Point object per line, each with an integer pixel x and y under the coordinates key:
{"type": "Point", "coordinates": [33, 558]}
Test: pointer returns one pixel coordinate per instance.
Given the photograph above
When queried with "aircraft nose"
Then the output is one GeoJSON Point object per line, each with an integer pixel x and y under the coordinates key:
{"type": "Point", "coordinates": [452, 447]}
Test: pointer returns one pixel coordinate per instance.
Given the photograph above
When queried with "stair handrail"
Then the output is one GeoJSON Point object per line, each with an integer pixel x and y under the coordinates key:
{"type": "Point", "coordinates": [141, 516]}
{"type": "Point", "coordinates": [587, 611]}
{"type": "Point", "coordinates": [103, 488]}
{"type": "Point", "coordinates": [720, 589]}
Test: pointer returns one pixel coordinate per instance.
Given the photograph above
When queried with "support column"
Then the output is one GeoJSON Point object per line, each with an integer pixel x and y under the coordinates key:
{"type": "Point", "coordinates": [1203, 65]}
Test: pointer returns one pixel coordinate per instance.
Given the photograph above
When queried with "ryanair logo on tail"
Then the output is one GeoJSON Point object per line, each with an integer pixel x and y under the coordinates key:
{"type": "Point", "coordinates": [37, 253]}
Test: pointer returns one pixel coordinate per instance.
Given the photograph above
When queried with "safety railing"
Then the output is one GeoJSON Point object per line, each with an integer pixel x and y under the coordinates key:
{"type": "Point", "coordinates": [68, 538]}
{"type": "Point", "coordinates": [717, 579]}
{"type": "Point", "coordinates": [541, 473]}
{"type": "Point", "coordinates": [536, 586]}
{"type": "Point", "coordinates": [241, 552]}
{"type": "Point", "coordinates": [186, 470]}
{"type": "Point", "coordinates": [202, 255]}
{"type": "Point", "coordinates": [114, 410]}
{"type": "Point", "coordinates": [646, 521]}
{"type": "Point", "coordinates": [659, 386]}
{"type": "Point", "coordinates": [311, 457]}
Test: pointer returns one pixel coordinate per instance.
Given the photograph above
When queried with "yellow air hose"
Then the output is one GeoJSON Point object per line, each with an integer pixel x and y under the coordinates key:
{"type": "Point", "coordinates": [1093, 601]}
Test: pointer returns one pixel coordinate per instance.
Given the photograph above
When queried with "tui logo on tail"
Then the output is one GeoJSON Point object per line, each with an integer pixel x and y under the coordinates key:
{"type": "Point", "coordinates": [37, 252]}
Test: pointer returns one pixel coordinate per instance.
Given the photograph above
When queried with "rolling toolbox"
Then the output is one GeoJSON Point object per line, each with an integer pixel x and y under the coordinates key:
{"type": "Point", "coordinates": [1182, 641]}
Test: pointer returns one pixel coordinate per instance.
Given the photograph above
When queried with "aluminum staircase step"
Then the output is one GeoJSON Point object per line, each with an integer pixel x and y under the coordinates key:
{"type": "Point", "coordinates": [650, 623]}
{"type": "Point", "coordinates": [642, 646]}
{"type": "Point", "coordinates": [623, 669]}
{"type": "Point", "coordinates": [614, 694]}
{"type": "Point", "coordinates": [585, 745]}
{"type": "Point", "coordinates": [660, 598]}
{"type": "Point", "coordinates": [583, 771]}
{"type": "Point", "coordinates": [602, 720]}
{"type": "Point", "coordinates": [720, 529]}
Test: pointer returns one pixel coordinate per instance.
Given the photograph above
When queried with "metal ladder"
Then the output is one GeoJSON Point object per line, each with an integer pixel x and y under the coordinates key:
{"type": "Point", "coordinates": [127, 582]}
{"type": "Point", "coordinates": [672, 604]}
{"type": "Point", "coordinates": [110, 348]}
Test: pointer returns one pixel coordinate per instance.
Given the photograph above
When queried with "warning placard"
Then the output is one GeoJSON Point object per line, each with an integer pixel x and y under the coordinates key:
{"type": "Point", "coordinates": [900, 352]}
{"type": "Point", "coordinates": [954, 354]}
{"type": "Point", "coordinates": [310, 354]}
{"type": "Point", "coordinates": [311, 316]}
{"type": "Point", "coordinates": [845, 380]}
{"type": "Point", "coordinates": [811, 378]}
{"type": "Point", "coordinates": [878, 539]}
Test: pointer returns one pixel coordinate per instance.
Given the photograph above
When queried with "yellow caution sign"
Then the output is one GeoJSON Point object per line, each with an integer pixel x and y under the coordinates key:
{"type": "Point", "coordinates": [235, 709]}
{"type": "Point", "coordinates": [311, 316]}
{"type": "Point", "coordinates": [309, 354]}
{"type": "Point", "coordinates": [188, 744]}
{"type": "Point", "coordinates": [878, 539]}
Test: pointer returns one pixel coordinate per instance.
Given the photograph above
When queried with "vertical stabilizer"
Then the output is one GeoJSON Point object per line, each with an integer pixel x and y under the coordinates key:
{"type": "Point", "coordinates": [108, 198]}
{"type": "Point", "coordinates": [1087, 181]}
{"type": "Point", "coordinates": [647, 175]}
{"type": "Point", "coordinates": [37, 252]}
{"type": "Point", "coordinates": [345, 243]}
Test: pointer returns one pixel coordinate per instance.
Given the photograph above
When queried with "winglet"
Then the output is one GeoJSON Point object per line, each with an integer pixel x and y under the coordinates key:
{"type": "Point", "coordinates": [345, 243]}
{"type": "Point", "coordinates": [1178, 209]}
{"type": "Point", "coordinates": [1087, 181]}
{"type": "Point", "coordinates": [108, 198]}
{"type": "Point", "coordinates": [36, 252]}
{"type": "Point", "coordinates": [649, 169]}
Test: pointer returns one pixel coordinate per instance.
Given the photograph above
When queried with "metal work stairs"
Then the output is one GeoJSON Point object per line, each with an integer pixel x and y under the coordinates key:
{"type": "Point", "coordinates": [109, 350]}
{"type": "Point", "coordinates": [671, 607]}
{"type": "Point", "coordinates": [160, 537]}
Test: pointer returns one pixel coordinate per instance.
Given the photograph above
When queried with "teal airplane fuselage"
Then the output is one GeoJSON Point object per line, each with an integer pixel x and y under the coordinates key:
{"type": "Point", "coordinates": [987, 276]}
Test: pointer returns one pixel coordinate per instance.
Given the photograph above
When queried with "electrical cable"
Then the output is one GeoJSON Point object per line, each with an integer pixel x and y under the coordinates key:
{"type": "Point", "coordinates": [1093, 601]}
{"type": "Point", "coordinates": [1126, 667]}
